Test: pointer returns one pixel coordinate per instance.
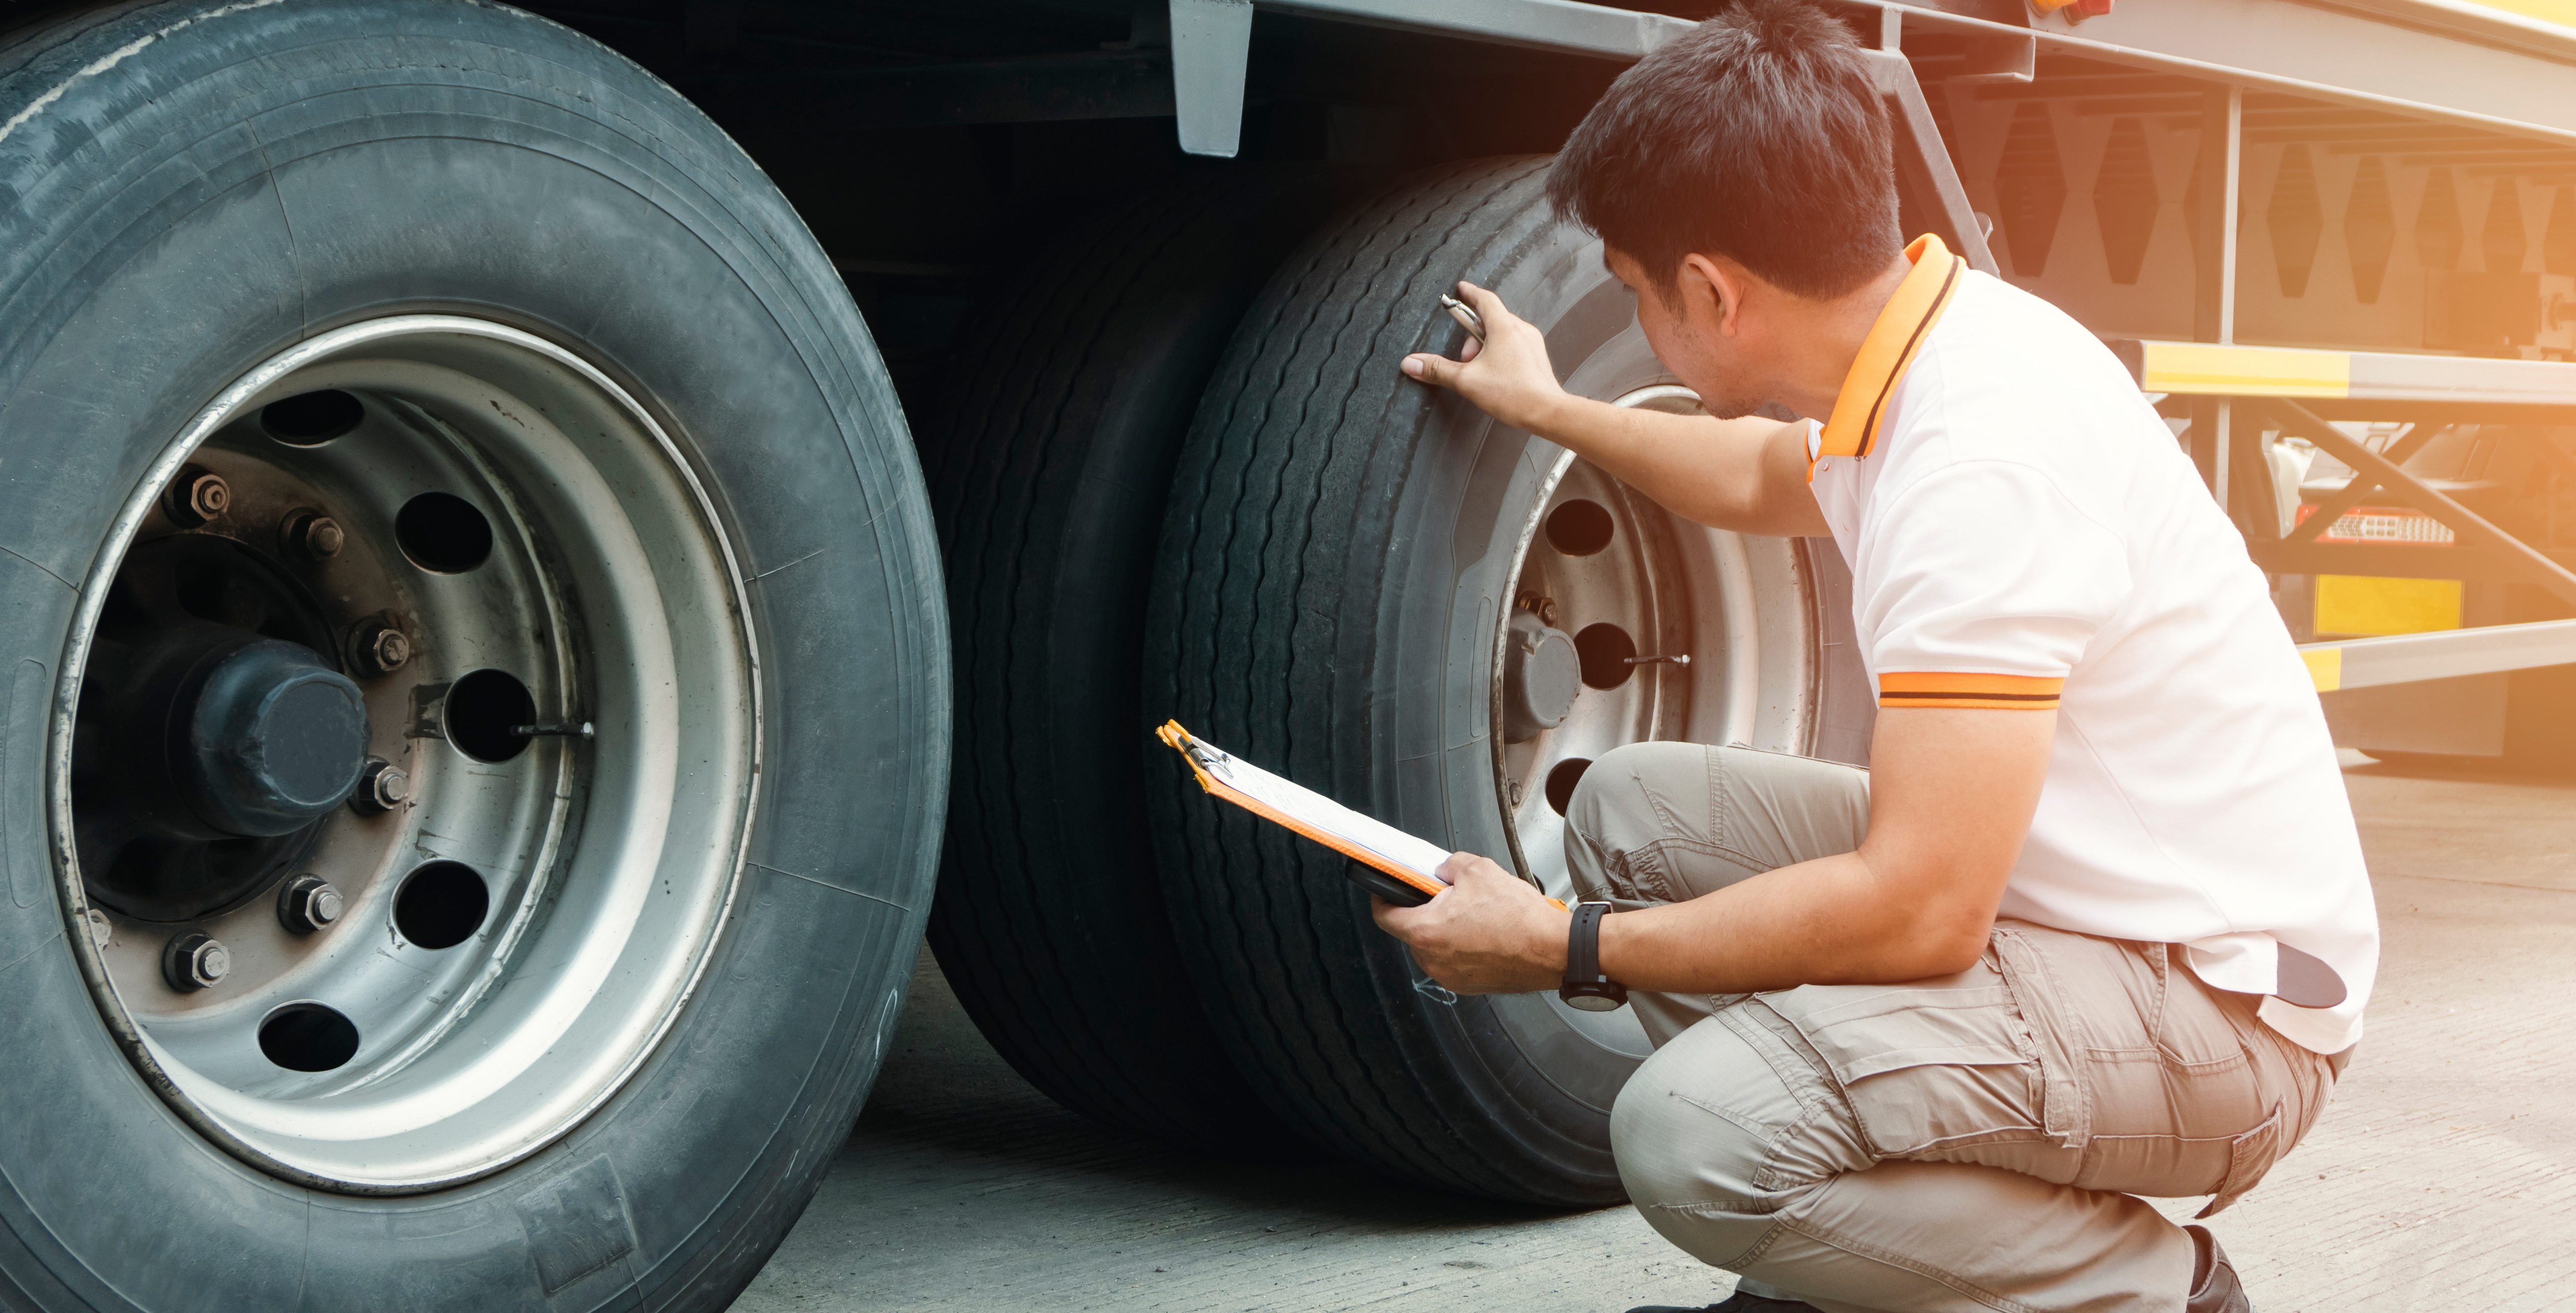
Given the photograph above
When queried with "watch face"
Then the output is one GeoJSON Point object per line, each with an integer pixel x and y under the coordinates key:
{"type": "Point", "coordinates": [1593, 1002]}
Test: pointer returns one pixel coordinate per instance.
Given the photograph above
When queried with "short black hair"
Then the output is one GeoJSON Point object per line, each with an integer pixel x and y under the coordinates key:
{"type": "Point", "coordinates": [1757, 135]}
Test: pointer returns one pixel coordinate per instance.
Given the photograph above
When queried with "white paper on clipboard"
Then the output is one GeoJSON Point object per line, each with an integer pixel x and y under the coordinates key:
{"type": "Point", "coordinates": [1363, 838]}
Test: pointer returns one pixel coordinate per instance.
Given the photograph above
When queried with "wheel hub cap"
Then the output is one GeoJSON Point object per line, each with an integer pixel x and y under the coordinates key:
{"type": "Point", "coordinates": [1541, 674]}
{"type": "Point", "coordinates": [275, 740]}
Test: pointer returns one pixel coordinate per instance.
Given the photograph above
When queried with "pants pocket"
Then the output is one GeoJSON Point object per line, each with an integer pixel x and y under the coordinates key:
{"type": "Point", "coordinates": [2249, 1156]}
{"type": "Point", "coordinates": [1933, 1063]}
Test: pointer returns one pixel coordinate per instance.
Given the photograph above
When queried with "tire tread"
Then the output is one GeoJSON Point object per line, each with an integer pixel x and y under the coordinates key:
{"type": "Point", "coordinates": [1268, 593]}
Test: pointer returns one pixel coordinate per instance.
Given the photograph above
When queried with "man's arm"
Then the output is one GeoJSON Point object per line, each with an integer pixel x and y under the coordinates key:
{"type": "Point", "coordinates": [1748, 475]}
{"type": "Point", "coordinates": [1951, 797]}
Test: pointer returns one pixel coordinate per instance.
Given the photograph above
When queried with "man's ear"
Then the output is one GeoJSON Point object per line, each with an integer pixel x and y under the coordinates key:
{"type": "Point", "coordinates": [1713, 294]}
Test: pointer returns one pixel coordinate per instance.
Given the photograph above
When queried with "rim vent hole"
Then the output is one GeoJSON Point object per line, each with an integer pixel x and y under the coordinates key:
{"type": "Point", "coordinates": [311, 419]}
{"type": "Point", "coordinates": [1561, 779]}
{"type": "Point", "coordinates": [441, 905]}
{"type": "Point", "coordinates": [443, 533]}
{"type": "Point", "coordinates": [1604, 650]}
{"type": "Point", "coordinates": [484, 712]}
{"type": "Point", "coordinates": [1579, 528]}
{"type": "Point", "coordinates": [308, 1037]}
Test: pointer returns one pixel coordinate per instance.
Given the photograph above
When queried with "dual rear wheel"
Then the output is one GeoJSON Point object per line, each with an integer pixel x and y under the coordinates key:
{"type": "Point", "coordinates": [1381, 593]}
{"type": "Point", "coordinates": [476, 730]}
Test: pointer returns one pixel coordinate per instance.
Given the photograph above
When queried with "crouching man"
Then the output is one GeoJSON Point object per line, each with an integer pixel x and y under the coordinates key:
{"type": "Point", "coordinates": [2095, 923]}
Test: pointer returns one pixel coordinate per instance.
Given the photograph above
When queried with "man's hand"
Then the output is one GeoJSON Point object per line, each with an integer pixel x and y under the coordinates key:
{"type": "Point", "coordinates": [1507, 375]}
{"type": "Point", "coordinates": [1489, 932]}
{"type": "Point", "coordinates": [1749, 475]}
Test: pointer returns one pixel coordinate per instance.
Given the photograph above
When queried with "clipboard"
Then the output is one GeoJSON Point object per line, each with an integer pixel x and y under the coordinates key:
{"type": "Point", "coordinates": [1394, 865]}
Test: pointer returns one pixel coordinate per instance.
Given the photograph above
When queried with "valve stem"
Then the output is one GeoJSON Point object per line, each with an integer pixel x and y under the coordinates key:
{"type": "Point", "coordinates": [1651, 660]}
{"type": "Point", "coordinates": [580, 730]}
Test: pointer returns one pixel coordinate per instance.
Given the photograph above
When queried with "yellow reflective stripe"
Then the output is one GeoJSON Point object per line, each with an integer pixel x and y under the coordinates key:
{"type": "Point", "coordinates": [2561, 12]}
{"type": "Point", "coordinates": [2325, 667]}
{"type": "Point", "coordinates": [2202, 368]}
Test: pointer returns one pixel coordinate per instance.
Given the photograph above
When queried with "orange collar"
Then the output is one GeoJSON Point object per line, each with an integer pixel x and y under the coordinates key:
{"type": "Point", "coordinates": [1890, 348]}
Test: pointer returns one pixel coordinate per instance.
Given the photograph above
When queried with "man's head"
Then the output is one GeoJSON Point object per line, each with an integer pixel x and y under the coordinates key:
{"type": "Point", "coordinates": [1741, 178]}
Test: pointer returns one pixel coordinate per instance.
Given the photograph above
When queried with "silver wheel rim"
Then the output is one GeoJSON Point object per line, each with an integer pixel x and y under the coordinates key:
{"type": "Point", "coordinates": [606, 845]}
{"type": "Point", "coordinates": [1739, 607]}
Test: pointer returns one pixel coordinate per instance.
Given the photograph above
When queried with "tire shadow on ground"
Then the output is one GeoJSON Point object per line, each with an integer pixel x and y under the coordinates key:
{"type": "Point", "coordinates": [944, 1092]}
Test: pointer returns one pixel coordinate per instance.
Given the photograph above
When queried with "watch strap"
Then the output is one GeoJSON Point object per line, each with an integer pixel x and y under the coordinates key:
{"type": "Point", "coordinates": [1583, 944]}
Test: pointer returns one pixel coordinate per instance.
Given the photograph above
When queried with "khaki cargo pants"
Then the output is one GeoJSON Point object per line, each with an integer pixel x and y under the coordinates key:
{"type": "Point", "coordinates": [1971, 1142]}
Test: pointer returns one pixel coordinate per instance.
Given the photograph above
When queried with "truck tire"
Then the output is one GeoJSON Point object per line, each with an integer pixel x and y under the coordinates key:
{"type": "Point", "coordinates": [1048, 478]}
{"type": "Point", "coordinates": [414, 403]}
{"type": "Point", "coordinates": [1345, 557]}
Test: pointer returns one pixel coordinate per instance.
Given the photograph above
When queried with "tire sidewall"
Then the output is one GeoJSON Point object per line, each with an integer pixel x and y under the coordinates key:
{"type": "Point", "coordinates": [243, 177]}
{"type": "Point", "coordinates": [1459, 516]}
{"type": "Point", "coordinates": [1466, 521]}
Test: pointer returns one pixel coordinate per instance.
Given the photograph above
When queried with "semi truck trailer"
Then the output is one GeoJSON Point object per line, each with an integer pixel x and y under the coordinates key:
{"type": "Point", "coordinates": [543, 549]}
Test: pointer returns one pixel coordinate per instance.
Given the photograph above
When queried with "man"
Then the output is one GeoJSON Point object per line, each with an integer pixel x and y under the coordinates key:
{"type": "Point", "coordinates": [2095, 923]}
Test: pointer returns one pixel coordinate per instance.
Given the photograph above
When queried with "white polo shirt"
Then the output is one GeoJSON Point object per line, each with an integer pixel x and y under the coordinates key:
{"type": "Point", "coordinates": [2023, 532]}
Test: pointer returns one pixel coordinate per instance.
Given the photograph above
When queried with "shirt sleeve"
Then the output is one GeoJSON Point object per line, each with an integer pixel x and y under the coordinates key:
{"type": "Point", "coordinates": [1981, 585]}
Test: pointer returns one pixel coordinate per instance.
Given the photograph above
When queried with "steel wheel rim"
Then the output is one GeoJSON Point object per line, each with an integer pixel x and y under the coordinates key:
{"type": "Point", "coordinates": [606, 864]}
{"type": "Point", "coordinates": [1739, 607]}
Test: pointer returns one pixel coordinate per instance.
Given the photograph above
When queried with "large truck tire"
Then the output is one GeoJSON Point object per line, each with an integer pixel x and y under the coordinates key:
{"type": "Point", "coordinates": [414, 403]}
{"type": "Point", "coordinates": [1048, 477]}
{"type": "Point", "coordinates": [1379, 592]}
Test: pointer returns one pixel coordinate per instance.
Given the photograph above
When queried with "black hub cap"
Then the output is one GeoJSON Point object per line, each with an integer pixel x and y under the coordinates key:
{"type": "Point", "coordinates": [213, 733]}
{"type": "Point", "coordinates": [275, 740]}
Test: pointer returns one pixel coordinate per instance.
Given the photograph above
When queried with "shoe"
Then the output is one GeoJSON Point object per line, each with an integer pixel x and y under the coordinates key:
{"type": "Point", "coordinates": [2214, 1287]}
{"type": "Point", "coordinates": [1748, 1304]}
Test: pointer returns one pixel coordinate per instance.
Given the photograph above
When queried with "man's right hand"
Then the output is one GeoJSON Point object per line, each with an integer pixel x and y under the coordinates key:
{"type": "Point", "coordinates": [1507, 376]}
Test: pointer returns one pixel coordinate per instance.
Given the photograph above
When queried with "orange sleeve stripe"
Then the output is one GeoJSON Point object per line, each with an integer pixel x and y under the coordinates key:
{"type": "Point", "coordinates": [1944, 681]}
{"type": "Point", "coordinates": [1977, 704]}
{"type": "Point", "coordinates": [1937, 688]}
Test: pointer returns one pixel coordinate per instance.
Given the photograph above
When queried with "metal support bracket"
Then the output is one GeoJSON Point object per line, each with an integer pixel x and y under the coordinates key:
{"type": "Point", "coordinates": [2213, 243]}
{"type": "Point", "coordinates": [2358, 489]}
{"type": "Point", "coordinates": [1998, 59]}
{"type": "Point", "coordinates": [2472, 528]}
{"type": "Point", "coordinates": [1927, 185]}
{"type": "Point", "coordinates": [1211, 56]}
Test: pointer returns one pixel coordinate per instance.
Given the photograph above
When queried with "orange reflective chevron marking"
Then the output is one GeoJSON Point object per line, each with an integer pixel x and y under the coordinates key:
{"type": "Point", "coordinates": [1941, 688]}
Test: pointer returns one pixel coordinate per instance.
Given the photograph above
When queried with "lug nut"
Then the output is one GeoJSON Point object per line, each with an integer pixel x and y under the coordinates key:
{"type": "Point", "coordinates": [315, 536]}
{"type": "Point", "coordinates": [308, 903]}
{"type": "Point", "coordinates": [193, 961]}
{"type": "Point", "coordinates": [197, 496]}
{"type": "Point", "coordinates": [381, 788]}
{"type": "Point", "coordinates": [1542, 607]}
{"type": "Point", "coordinates": [381, 649]}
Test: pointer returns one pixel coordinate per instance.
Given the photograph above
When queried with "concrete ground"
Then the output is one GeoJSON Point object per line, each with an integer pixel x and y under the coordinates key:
{"type": "Point", "coordinates": [2444, 1177]}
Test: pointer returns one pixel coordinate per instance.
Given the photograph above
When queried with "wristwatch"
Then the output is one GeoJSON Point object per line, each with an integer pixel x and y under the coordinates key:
{"type": "Point", "coordinates": [1585, 987]}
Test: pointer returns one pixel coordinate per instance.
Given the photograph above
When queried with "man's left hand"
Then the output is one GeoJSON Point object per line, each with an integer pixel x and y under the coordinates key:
{"type": "Point", "coordinates": [1489, 932]}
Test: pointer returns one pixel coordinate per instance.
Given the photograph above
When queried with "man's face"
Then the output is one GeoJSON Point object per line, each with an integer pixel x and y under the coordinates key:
{"type": "Point", "coordinates": [1690, 331]}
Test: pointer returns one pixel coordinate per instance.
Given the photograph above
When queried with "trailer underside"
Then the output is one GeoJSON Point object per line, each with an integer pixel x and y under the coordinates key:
{"type": "Point", "coordinates": [2273, 175]}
